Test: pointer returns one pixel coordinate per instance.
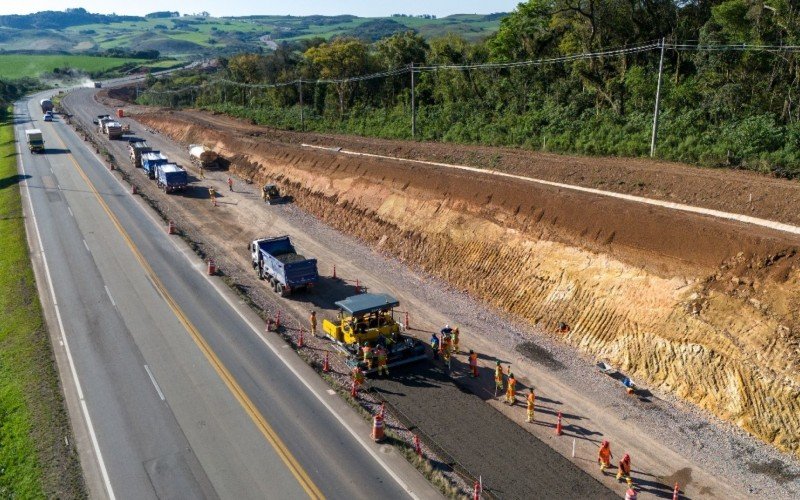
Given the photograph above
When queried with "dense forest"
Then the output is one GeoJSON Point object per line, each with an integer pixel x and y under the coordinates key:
{"type": "Point", "coordinates": [729, 90]}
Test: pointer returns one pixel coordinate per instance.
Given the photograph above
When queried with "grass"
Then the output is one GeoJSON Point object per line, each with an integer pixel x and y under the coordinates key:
{"type": "Point", "coordinates": [13, 66]}
{"type": "Point", "coordinates": [35, 461]}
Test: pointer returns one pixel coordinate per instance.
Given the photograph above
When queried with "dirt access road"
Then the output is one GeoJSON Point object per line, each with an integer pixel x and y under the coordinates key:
{"type": "Point", "coordinates": [595, 409]}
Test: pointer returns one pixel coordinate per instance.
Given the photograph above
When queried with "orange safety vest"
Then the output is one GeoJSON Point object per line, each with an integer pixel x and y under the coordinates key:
{"type": "Point", "coordinates": [498, 374]}
{"type": "Point", "coordinates": [625, 467]}
{"type": "Point", "coordinates": [531, 400]}
{"type": "Point", "coordinates": [605, 455]}
{"type": "Point", "coordinates": [512, 387]}
{"type": "Point", "coordinates": [473, 359]}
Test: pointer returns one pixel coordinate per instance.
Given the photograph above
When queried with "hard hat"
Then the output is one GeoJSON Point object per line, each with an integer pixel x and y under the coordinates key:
{"type": "Point", "coordinates": [605, 443]}
{"type": "Point", "coordinates": [447, 326]}
{"type": "Point", "coordinates": [497, 362]}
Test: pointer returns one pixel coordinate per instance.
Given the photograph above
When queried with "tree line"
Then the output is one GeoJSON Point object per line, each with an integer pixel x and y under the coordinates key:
{"type": "Point", "coordinates": [723, 104]}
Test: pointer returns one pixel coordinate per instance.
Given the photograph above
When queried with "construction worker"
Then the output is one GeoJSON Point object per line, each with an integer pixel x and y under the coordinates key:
{"type": "Point", "coordinates": [435, 346]}
{"type": "Point", "coordinates": [473, 363]}
{"type": "Point", "coordinates": [531, 399]}
{"type": "Point", "coordinates": [445, 347]}
{"type": "Point", "coordinates": [454, 338]}
{"type": "Point", "coordinates": [511, 390]}
{"type": "Point", "coordinates": [382, 367]}
{"type": "Point", "coordinates": [358, 377]}
{"type": "Point", "coordinates": [604, 456]}
{"type": "Point", "coordinates": [213, 195]}
{"type": "Point", "coordinates": [624, 469]}
{"type": "Point", "coordinates": [498, 378]}
{"type": "Point", "coordinates": [230, 184]}
{"type": "Point", "coordinates": [368, 355]}
{"type": "Point", "coordinates": [313, 320]}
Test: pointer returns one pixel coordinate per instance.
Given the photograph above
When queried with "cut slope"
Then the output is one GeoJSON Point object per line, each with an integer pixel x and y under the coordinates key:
{"type": "Point", "coordinates": [696, 306]}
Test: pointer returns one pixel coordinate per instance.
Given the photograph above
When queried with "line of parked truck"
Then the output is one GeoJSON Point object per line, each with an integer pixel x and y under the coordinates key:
{"type": "Point", "coordinates": [168, 176]}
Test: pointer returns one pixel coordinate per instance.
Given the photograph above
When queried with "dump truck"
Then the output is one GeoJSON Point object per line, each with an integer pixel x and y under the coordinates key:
{"type": "Point", "coordinates": [276, 260]}
{"type": "Point", "coordinates": [136, 147]}
{"type": "Point", "coordinates": [203, 156]}
{"type": "Point", "coordinates": [368, 319]}
{"type": "Point", "coordinates": [35, 140]}
{"type": "Point", "coordinates": [171, 177]}
{"type": "Point", "coordinates": [151, 160]}
{"type": "Point", "coordinates": [47, 105]}
{"type": "Point", "coordinates": [98, 85]}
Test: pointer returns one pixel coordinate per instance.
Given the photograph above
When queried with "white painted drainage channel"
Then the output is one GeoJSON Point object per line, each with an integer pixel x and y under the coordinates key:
{"type": "Point", "coordinates": [780, 226]}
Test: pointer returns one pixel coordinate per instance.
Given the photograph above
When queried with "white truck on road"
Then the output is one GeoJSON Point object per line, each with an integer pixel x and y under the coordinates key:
{"type": "Point", "coordinates": [35, 140]}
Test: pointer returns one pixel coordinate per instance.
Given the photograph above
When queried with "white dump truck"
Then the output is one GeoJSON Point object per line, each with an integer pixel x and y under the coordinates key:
{"type": "Point", "coordinates": [203, 156]}
{"type": "Point", "coordinates": [109, 126]}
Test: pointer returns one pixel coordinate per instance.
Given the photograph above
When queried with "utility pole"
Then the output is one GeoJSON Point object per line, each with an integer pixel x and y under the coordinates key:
{"type": "Point", "coordinates": [302, 116]}
{"type": "Point", "coordinates": [658, 102]}
{"type": "Point", "coordinates": [413, 105]}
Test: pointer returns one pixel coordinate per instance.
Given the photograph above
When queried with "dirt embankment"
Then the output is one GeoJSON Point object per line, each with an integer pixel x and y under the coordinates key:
{"type": "Point", "coordinates": [703, 308]}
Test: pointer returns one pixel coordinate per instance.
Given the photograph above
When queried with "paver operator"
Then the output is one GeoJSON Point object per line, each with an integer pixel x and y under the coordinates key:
{"type": "Point", "coordinates": [382, 368]}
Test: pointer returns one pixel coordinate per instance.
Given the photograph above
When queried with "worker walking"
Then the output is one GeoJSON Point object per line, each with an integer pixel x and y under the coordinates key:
{"type": "Point", "coordinates": [358, 378]}
{"type": "Point", "coordinates": [624, 469]}
{"type": "Point", "coordinates": [531, 399]}
{"type": "Point", "coordinates": [473, 363]}
{"type": "Point", "coordinates": [511, 390]}
{"type": "Point", "coordinates": [382, 366]}
{"type": "Point", "coordinates": [213, 195]}
{"type": "Point", "coordinates": [604, 456]}
{"type": "Point", "coordinates": [230, 184]}
{"type": "Point", "coordinates": [313, 320]}
{"type": "Point", "coordinates": [498, 378]}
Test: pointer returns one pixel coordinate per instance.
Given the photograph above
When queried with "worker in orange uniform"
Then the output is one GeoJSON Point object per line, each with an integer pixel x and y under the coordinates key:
{"type": "Point", "coordinates": [230, 184]}
{"type": "Point", "coordinates": [358, 376]}
{"type": "Point", "coordinates": [531, 399]}
{"type": "Point", "coordinates": [313, 320]}
{"type": "Point", "coordinates": [511, 390]}
{"type": "Point", "coordinates": [604, 456]}
{"type": "Point", "coordinates": [213, 195]}
{"type": "Point", "coordinates": [368, 355]}
{"type": "Point", "coordinates": [624, 469]}
{"type": "Point", "coordinates": [498, 378]}
{"type": "Point", "coordinates": [473, 363]}
{"type": "Point", "coordinates": [382, 361]}
{"type": "Point", "coordinates": [454, 336]}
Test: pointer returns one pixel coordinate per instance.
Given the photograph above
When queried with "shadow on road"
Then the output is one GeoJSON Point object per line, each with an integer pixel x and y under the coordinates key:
{"type": "Point", "coordinates": [12, 180]}
{"type": "Point", "coordinates": [56, 151]}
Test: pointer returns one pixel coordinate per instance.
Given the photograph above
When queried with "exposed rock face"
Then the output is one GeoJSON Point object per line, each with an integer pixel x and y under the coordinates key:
{"type": "Point", "coordinates": [703, 308]}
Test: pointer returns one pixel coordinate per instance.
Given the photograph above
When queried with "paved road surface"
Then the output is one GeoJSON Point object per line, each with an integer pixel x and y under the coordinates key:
{"type": "Point", "coordinates": [184, 397]}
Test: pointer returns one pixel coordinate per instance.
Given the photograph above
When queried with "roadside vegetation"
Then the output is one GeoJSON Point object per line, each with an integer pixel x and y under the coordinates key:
{"type": "Point", "coordinates": [724, 107]}
{"type": "Point", "coordinates": [37, 455]}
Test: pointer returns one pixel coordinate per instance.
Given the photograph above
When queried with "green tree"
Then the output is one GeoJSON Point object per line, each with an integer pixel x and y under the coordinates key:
{"type": "Point", "coordinates": [338, 60]}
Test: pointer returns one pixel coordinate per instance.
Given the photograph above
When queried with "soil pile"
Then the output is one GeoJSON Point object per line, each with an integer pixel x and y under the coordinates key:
{"type": "Point", "coordinates": [704, 308]}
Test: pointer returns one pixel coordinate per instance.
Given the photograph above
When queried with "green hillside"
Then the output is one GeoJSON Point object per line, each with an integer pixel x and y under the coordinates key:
{"type": "Point", "coordinates": [14, 66]}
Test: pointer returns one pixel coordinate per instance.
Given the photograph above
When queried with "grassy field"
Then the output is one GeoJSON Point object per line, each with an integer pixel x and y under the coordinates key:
{"type": "Point", "coordinates": [35, 461]}
{"type": "Point", "coordinates": [26, 65]}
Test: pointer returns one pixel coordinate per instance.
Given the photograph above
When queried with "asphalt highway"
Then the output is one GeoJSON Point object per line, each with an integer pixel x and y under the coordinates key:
{"type": "Point", "coordinates": [180, 394]}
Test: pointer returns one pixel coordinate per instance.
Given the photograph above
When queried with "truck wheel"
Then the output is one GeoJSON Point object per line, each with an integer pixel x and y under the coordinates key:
{"type": "Point", "coordinates": [279, 289]}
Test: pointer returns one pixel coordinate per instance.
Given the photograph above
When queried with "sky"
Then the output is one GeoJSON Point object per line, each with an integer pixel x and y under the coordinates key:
{"type": "Point", "coordinates": [217, 8]}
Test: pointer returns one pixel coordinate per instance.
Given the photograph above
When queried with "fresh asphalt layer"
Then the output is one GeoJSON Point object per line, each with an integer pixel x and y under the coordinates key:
{"type": "Point", "coordinates": [185, 399]}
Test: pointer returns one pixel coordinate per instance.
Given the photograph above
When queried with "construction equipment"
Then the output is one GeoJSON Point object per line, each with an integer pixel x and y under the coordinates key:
{"type": "Point", "coordinates": [151, 160]}
{"type": "Point", "coordinates": [35, 140]}
{"type": "Point", "coordinates": [368, 320]}
{"type": "Point", "coordinates": [272, 195]}
{"type": "Point", "coordinates": [171, 177]}
{"type": "Point", "coordinates": [276, 260]}
{"type": "Point", "coordinates": [109, 126]}
{"type": "Point", "coordinates": [136, 147]}
{"type": "Point", "coordinates": [203, 156]}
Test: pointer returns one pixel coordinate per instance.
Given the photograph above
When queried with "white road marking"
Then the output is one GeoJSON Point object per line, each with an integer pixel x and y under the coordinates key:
{"type": "Point", "coordinates": [108, 292]}
{"type": "Point", "coordinates": [155, 384]}
{"type": "Point", "coordinates": [70, 212]}
{"type": "Point", "coordinates": [780, 226]}
{"type": "Point", "coordinates": [87, 248]}
{"type": "Point", "coordinates": [84, 408]}
{"type": "Point", "coordinates": [331, 392]}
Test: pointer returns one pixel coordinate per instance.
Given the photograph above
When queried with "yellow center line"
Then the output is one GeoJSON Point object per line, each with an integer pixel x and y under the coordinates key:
{"type": "Point", "coordinates": [272, 437]}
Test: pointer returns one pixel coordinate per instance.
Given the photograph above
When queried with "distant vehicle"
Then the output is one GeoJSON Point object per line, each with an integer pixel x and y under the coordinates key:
{"type": "Point", "coordinates": [171, 177]}
{"type": "Point", "coordinates": [35, 140]}
{"type": "Point", "coordinates": [46, 104]}
{"type": "Point", "coordinates": [107, 125]}
{"type": "Point", "coordinates": [98, 85]}
{"type": "Point", "coordinates": [272, 195]}
{"type": "Point", "coordinates": [48, 118]}
{"type": "Point", "coordinates": [276, 260]}
{"type": "Point", "coordinates": [151, 160]}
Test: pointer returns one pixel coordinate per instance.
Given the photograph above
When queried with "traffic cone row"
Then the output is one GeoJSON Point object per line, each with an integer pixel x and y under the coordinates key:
{"type": "Point", "coordinates": [326, 365]}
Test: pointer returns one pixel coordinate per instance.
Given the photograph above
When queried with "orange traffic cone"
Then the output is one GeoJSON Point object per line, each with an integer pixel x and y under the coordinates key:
{"type": "Point", "coordinates": [326, 365]}
{"type": "Point", "coordinates": [558, 425]}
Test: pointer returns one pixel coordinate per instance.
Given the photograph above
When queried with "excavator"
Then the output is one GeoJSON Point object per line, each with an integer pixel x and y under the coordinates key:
{"type": "Point", "coordinates": [368, 320]}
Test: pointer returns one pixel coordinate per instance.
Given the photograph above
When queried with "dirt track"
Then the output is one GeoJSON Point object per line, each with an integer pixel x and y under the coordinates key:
{"type": "Point", "coordinates": [606, 268]}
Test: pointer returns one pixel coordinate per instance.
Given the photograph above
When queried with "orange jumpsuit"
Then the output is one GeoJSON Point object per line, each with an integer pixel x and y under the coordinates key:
{"type": "Point", "coordinates": [531, 404]}
{"type": "Point", "coordinates": [511, 392]}
{"type": "Point", "coordinates": [624, 469]}
{"type": "Point", "coordinates": [604, 455]}
{"type": "Point", "coordinates": [473, 364]}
